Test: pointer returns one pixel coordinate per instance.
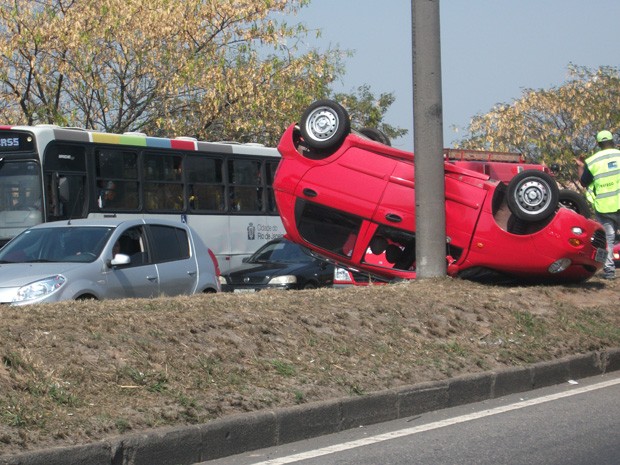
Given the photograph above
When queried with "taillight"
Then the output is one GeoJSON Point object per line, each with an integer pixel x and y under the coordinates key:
{"type": "Point", "coordinates": [342, 276]}
{"type": "Point", "coordinates": [215, 263]}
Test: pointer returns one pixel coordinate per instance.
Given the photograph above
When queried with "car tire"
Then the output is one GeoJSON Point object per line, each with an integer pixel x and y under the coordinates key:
{"type": "Point", "coordinates": [324, 125]}
{"type": "Point", "coordinates": [376, 135]}
{"type": "Point", "coordinates": [533, 195]}
{"type": "Point", "coordinates": [575, 201]}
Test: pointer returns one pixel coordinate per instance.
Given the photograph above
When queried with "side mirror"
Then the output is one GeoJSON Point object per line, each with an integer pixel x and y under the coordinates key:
{"type": "Point", "coordinates": [120, 259]}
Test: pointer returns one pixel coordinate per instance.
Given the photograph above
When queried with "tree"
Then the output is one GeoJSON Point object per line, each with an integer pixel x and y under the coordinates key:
{"type": "Point", "coordinates": [553, 126]}
{"type": "Point", "coordinates": [213, 69]}
{"type": "Point", "coordinates": [366, 110]}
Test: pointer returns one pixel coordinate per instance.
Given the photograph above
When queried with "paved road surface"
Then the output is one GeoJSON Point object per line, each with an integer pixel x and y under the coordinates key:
{"type": "Point", "coordinates": [568, 424]}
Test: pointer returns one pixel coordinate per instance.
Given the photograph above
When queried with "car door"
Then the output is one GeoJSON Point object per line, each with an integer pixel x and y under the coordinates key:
{"type": "Point", "coordinates": [176, 265]}
{"type": "Point", "coordinates": [139, 278]}
{"type": "Point", "coordinates": [353, 183]}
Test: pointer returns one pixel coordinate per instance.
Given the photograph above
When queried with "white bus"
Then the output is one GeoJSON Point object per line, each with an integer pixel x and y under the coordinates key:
{"type": "Point", "coordinates": [223, 190]}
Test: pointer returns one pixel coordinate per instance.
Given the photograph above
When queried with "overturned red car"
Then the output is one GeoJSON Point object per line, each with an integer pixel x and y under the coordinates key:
{"type": "Point", "coordinates": [351, 199]}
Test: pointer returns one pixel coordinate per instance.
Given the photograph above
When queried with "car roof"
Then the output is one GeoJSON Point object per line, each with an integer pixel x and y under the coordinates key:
{"type": "Point", "coordinates": [109, 222]}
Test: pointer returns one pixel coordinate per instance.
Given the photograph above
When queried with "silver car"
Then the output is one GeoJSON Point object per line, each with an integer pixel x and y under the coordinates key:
{"type": "Point", "coordinates": [105, 259]}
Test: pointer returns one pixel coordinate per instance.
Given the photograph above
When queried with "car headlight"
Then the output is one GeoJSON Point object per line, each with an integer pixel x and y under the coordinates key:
{"type": "Point", "coordinates": [286, 279]}
{"type": "Point", "coordinates": [222, 280]}
{"type": "Point", "coordinates": [39, 289]}
{"type": "Point", "coordinates": [559, 265]}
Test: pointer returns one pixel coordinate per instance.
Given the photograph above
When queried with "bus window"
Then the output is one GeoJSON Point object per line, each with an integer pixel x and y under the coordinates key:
{"type": "Point", "coordinates": [117, 179]}
{"type": "Point", "coordinates": [20, 186]}
{"type": "Point", "coordinates": [270, 169]}
{"type": "Point", "coordinates": [163, 196]}
{"type": "Point", "coordinates": [205, 184]}
{"type": "Point", "coordinates": [246, 192]}
{"type": "Point", "coordinates": [21, 200]}
{"type": "Point", "coordinates": [163, 187]}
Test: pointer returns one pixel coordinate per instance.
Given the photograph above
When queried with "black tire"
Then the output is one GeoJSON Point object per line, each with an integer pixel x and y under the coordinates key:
{"type": "Point", "coordinates": [324, 125]}
{"type": "Point", "coordinates": [575, 201]}
{"type": "Point", "coordinates": [533, 195]}
{"type": "Point", "coordinates": [376, 135]}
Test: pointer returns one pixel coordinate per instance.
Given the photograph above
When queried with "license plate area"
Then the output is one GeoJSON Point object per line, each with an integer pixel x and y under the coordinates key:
{"type": "Point", "coordinates": [600, 255]}
{"type": "Point", "coordinates": [244, 291]}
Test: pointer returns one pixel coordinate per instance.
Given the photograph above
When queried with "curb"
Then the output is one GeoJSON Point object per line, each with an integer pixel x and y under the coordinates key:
{"type": "Point", "coordinates": [241, 433]}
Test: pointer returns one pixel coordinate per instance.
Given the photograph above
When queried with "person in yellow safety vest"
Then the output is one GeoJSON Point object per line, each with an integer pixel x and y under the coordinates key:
{"type": "Point", "coordinates": [601, 174]}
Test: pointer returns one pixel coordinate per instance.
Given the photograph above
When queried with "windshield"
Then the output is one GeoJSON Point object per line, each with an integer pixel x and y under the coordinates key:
{"type": "Point", "coordinates": [66, 244]}
{"type": "Point", "coordinates": [281, 252]}
{"type": "Point", "coordinates": [21, 203]}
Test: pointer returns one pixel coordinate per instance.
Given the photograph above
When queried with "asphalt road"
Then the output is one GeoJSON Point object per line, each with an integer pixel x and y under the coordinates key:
{"type": "Point", "coordinates": [568, 424]}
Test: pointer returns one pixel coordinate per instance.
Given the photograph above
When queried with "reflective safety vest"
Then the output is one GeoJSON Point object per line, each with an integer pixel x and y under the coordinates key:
{"type": "Point", "coordinates": [605, 168]}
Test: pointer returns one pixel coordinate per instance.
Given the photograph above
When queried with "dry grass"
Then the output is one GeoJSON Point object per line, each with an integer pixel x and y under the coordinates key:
{"type": "Point", "coordinates": [81, 371]}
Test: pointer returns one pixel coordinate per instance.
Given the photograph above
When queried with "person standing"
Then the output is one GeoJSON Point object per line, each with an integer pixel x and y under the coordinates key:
{"type": "Point", "coordinates": [601, 174]}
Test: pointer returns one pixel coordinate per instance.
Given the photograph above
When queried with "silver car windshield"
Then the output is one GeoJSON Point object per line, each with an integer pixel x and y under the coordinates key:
{"type": "Point", "coordinates": [67, 244]}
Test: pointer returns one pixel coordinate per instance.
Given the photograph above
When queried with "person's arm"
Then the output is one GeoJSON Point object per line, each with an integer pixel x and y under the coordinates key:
{"type": "Point", "coordinates": [585, 176]}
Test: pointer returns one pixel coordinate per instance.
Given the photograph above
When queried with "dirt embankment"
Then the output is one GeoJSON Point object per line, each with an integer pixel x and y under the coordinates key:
{"type": "Point", "coordinates": [77, 372]}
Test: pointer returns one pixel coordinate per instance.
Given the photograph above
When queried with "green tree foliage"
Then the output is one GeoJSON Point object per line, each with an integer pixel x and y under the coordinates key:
{"type": "Point", "coordinates": [213, 69]}
{"type": "Point", "coordinates": [366, 110]}
{"type": "Point", "coordinates": [556, 125]}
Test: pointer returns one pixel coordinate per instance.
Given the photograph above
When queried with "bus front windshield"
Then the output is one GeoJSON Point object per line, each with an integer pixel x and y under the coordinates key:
{"type": "Point", "coordinates": [21, 198]}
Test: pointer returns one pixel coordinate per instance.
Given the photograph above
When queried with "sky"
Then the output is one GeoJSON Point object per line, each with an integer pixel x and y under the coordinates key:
{"type": "Point", "coordinates": [491, 50]}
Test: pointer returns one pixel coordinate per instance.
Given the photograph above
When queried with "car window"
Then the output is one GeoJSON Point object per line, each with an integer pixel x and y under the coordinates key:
{"type": "Point", "coordinates": [133, 243]}
{"type": "Point", "coordinates": [288, 252]}
{"type": "Point", "coordinates": [391, 248]}
{"type": "Point", "coordinates": [170, 243]}
{"type": "Point", "coordinates": [329, 229]}
{"type": "Point", "coordinates": [79, 244]}
{"type": "Point", "coordinates": [67, 244]}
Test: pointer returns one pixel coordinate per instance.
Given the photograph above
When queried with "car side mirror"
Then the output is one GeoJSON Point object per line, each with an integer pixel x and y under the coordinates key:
{"type": "Point", "coordinates": [120, 259]}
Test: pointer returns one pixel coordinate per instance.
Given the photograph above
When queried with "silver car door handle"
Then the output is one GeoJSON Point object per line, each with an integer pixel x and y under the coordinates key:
{"type": "Point", "coordinates": [152, 278]}
{"type": "Point", "coordinates": [192, 273]}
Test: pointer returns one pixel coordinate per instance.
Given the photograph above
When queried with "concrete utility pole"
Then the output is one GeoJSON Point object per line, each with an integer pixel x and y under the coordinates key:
{"type": "Point", "coordinates": [428, 140]}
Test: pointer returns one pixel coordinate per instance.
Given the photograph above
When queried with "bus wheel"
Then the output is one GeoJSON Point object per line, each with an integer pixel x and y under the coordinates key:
{"type": "Point", "coordinates": [324, 125]}
{"type": "Point", "coordinates": [532, 195]}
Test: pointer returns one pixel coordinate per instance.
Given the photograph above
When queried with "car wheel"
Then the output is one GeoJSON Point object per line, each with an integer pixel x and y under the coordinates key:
{"type": "Point", "coordinates": [575, 201]}
{"type": "Point", "coordinates": [324, 125]}
{"type": "Point", "coordinates": [309, 286]}
{"type": "Point", "coordinates": [376, 135]}
{"type": "Point", "coordinates": [533, 195]}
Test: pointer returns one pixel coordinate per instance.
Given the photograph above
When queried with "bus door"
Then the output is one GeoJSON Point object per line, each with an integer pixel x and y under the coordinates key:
{"type": "Point", "coordinates": [65, 180]}
{"type": "Point", "coordinates": [66, 196]}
